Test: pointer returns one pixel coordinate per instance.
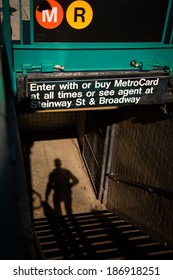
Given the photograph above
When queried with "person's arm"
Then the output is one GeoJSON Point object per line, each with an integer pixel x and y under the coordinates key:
{"type": "Point", "coordinates": [49, 187]}
{"type": "Point", "coordinates": [73, 180]}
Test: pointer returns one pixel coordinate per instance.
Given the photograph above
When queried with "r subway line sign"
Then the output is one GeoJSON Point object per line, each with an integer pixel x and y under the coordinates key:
{"type": "Point", "coordinates": [76, 94]}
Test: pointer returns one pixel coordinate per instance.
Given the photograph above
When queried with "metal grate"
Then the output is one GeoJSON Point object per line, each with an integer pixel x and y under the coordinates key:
{"type": "Point", "coordinates": [92, 164]}
{"type": "Point", "coordinates": [48, 121]}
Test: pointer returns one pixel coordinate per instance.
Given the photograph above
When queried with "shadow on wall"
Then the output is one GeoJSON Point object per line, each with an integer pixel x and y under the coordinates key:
{"type": "Point", "coordinates": [61, 182]}
{"type": "Point", "coordinates": [25, 26]}
{"type": "Point", "coordinates": [12, 10]}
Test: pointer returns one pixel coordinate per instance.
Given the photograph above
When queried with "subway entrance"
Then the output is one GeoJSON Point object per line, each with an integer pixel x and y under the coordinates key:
{"type": "Point", "coordinates": [69, 163]}
{"type": "Point", "coordinates": [72, 144]}
{"type": "Point", "coordinates": [94, 113]}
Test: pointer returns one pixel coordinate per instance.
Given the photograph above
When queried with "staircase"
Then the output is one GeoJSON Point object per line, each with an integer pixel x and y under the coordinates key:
{"type": "Point", "coordinates": [95, 235]}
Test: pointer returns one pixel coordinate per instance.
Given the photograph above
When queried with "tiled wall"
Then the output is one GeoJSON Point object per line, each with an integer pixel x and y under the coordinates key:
{"type": "Point", "coordinates": [143, 153]}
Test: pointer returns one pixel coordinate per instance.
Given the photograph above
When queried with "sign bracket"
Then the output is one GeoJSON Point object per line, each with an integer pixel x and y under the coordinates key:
{"type": "Point", "coordinates": [149, 66]}
{"type": "Point", "coordinates": [43, 68]}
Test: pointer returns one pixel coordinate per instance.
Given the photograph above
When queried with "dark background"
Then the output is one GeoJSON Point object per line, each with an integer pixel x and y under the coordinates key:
{"type": "Point", "coordinates": [113, 21]}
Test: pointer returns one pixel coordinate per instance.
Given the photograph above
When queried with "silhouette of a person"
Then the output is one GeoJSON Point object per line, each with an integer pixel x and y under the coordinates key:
{"type": "Point", "coordinates": [61, 181]}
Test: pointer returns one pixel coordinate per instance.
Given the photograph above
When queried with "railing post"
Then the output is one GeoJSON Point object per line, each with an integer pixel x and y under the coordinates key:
{"type": "Point", "coordinates": [7, 35]}
{"type": "Point", "coordinates": [7, 217]}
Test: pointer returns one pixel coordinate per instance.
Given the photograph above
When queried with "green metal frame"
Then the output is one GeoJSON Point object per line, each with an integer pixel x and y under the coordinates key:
{"type": "Point", "coordinates": [7, 216]}
{"type": "Point", "coordinates": [44, 57]}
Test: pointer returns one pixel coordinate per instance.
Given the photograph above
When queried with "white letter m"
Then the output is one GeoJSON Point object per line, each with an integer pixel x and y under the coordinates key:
{"type": "Point", "coordinates": [50, 15]}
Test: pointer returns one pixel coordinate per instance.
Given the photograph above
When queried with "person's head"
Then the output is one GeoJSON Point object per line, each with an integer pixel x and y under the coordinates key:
{"type": "Point", "coordinates": [57, 163]}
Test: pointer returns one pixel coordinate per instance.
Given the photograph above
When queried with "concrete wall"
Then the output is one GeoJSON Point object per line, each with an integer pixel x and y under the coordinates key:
{"type": "Point", "coordinates": [143, 157]}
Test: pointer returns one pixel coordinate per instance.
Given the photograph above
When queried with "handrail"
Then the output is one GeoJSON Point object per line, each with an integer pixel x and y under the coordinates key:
{"type": "Point", "coordinates": [150, 189]}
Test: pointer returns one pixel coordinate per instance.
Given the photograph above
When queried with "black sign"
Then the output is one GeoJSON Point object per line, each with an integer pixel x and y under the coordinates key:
{"type": "Point", "coordinates": [99, 20]}
{"type": "Point", "coordinates": [53, 94]}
